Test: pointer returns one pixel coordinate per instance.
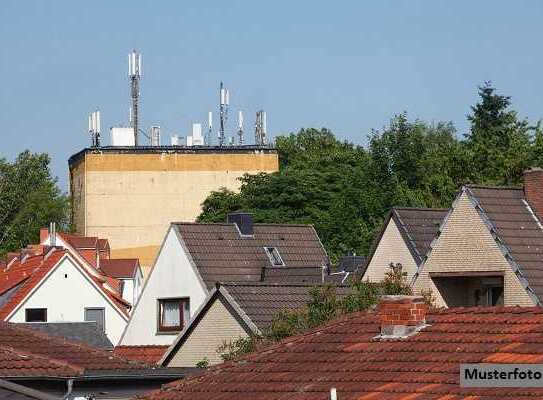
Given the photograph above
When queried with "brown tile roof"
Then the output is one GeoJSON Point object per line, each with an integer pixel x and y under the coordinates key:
{"type": "Point", "coordinates": [346, 355]}
{"type": "Point", "coordinates": [222, 255]}
{"type": "Point", "coordinates": [80, 242]}
{"type": "Point", "coordinates": [519, 232]}
{"type": "Point", "coordinates": [261, 302]}
{"type": "Point", "coordinates": [119, 267]}
{"type": "Point", "coordinates": [30, 353]}
{"type": "Point", "coordinates": [149, 354]}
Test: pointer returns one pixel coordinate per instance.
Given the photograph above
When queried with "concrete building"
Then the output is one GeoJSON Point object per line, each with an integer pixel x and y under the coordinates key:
{"type": "Point", "coordinates": [131, 194]}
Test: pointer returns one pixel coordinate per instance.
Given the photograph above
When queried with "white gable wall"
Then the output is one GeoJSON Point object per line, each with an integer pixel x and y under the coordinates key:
{"type": "Point", "coordinates": [390, 249]}
{"type": "Point", "coordinates": [65, 293]}
{"type": "Point", "coordinates": [171, 276]}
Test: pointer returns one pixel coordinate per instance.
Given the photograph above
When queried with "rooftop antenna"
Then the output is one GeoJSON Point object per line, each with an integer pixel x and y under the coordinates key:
{"type": "Point", "coordinates": [240, 127]}
{"type": "Point", "coordinates": [223, 108]}
{"type": "Point", "coordinates": [94, 128]}
{"type": "Point", "coordinates": [260, 128]}
{"type": "Point", "coordinates": [134, 73]}
{"type": "Point", "coordinates": [209, 128]}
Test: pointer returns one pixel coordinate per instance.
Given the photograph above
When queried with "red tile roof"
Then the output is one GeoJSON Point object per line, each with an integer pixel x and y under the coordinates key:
{"type": "Point", "coordinates": [348, 355]}
{"type": "Point", "coordinates": [149, 354]}
{"type": "Point", "coordinates": [26, 352]}
{"type": "Point", "coordinates": [80, 242]}
{"type": "Point", "coordinates": [119, 267]}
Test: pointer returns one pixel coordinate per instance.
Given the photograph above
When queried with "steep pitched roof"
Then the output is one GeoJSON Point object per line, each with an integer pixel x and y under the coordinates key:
{"type": "Point", "coordinates": [27, 352]}
{"type": "Point", "coordinates": [418, 227]}
{"type": "Point", "coordinates": [82, 332]}
{"type": "Point", "coordinates": [346, 355]}
{"type": "Point", "coordinates": [516, 229]}
{"type": "Point", "coordinates": [221, 254]}
{"type": "Point", "coordinates": [120, 267]}
{"type": "Point", "coordinates": [149, 354]}
{"type": "Point", "coordinates": [253, 305]}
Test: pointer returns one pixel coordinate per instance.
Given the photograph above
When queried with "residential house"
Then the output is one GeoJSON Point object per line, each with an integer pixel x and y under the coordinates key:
{"type": "Point", "coordinates": [489, 250]}
{"type": "Point", "coordinates": [398, 351]}
{"type": "Point", "coordinates": [232, 311]}
{"type": "Point", "coordinates": [195, 256]}
{"type": "Point", "coordinates": [70, 370]}
{"type": "Point", "coordinates": [404, 239]}
{"type": "Point", "coordinates": [128, 272]}
{"type": "Point", "coordinates": [52, 284]}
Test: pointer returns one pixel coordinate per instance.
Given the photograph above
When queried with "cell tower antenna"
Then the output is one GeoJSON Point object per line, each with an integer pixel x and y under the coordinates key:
{"type": "Point", "coordinates": [260, 128]}
{"type": "Point", "coordinates": [223, 112]}
{"type": "Point", "coordinates": [240, 127]}
{"type": "Point", "coordinates": [134, 73]}
{"type": "Point", "coordinates": [209, 128]}
{"type": "Point", "coordinates": [94, 128]}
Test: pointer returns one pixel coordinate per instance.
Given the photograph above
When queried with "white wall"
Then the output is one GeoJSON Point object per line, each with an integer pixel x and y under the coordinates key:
{"type": "Point", "coordinates": [391, 249]}
{"type": "Point", "coordinates": [65, 293]}
{"type": "Point", "coordinates": [172, 276]}
{"type": "Point", "coordinates": [128, 290]}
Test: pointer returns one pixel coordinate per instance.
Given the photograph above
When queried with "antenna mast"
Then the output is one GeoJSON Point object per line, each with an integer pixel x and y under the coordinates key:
{"type": "Point", "coordinates": [223, 108]}
{"type": "Point", "coordinates": [240, 127]}
{"type": "Point", "coordinates": [94, 128]}
{"type": "Point", "coordinates": [209, 128]}
{"type": "Point", "coordinates": [260, 128]}
{"type": "Point", "coordinates": [134, 73]}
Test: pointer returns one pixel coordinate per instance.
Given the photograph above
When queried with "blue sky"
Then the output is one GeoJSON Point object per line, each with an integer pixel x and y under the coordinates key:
{"type": "Point", "coordinates": [346, 65]}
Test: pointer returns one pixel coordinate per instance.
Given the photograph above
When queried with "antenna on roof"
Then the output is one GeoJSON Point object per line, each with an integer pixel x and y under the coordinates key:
{"type": "Point", "coordinates": [134, 73]}
{"type": "Point", "coordinates": [240, 127]}
{"type": "Point", "coordinates": [94, 128]}
{"type": "Point", "coordinates": [260, 128]}
{"type": "Point", "coordinates": [223, 108]}
{"type": "Point", "coordinates": [209, 128]}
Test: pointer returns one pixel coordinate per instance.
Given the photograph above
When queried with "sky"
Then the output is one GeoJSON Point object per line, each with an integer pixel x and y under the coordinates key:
{"type": "Point", "coordinates": [349, 66]}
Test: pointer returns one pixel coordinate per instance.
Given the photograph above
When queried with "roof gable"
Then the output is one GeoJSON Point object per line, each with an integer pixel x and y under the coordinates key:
{"type": "Point", "coordinates": [221, 254]}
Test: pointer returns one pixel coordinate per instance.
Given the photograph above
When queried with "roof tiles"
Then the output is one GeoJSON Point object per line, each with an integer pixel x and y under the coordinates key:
{"type": "Point", "coordinates": [150, 354]}
{"type": "Point", "coordinates": [346, 355]}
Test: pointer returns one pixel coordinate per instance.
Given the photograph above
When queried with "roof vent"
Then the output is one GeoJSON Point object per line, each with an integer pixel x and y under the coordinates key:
{"type": "Point", "coordinates": [244, 222]}
{"type": "Point", "coordinates": [401, 316]}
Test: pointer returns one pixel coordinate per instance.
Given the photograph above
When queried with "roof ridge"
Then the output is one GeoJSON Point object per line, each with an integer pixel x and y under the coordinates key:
{"type": "Point", "coordinates": [421, 208]}
{"type": "Point", "coordinates": [474, 186]}
{"type": "Point", "coordinates": [232, 223]}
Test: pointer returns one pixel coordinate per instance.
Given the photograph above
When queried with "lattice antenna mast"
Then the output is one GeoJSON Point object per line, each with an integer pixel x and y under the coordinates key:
{"type": "Point", "coordinates": [260, 128]}
{"type": "Point", "coordinates": [94, 128]}
{"type": "Point", "coordinates": [223, 112]}
{"type": "Point", "coordinates": [240, 127]}
{"type": "Point", "coordinates": [134, 73]}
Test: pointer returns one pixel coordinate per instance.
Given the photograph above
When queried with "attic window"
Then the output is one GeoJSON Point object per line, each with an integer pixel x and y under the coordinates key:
{"type": "Point", "coordinates": [274, 256]}
{"type": "Point", "coordinates": [36, 315]}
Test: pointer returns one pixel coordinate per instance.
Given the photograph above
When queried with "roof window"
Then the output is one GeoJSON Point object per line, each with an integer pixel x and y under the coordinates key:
{"type": "Point", "coordinates": [274, 256]}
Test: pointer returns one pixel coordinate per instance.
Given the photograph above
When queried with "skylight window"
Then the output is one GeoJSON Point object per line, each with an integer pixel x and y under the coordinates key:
{"type": "Point", "coordinates": [274, 256]}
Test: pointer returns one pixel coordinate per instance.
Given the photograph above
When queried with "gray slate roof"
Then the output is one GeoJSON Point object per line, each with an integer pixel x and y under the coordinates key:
{"type": "Point", "coordinates": [85, 332]}
{"type": "Point", "coordinates": [517, 229]}
{"type": "Point", "coordinates": [221, 255]}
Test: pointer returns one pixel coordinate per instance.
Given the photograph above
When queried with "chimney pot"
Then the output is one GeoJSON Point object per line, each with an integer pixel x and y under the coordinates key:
{"type": "Point", "coordinates": [401, 316]}
{"type": "Point", "coordinates": [244, 222]}
{"type": "Point", "coordinates": [533, 189]}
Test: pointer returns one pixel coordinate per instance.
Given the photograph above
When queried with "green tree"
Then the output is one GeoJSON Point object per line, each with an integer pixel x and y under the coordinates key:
{"type": "Point", "coordinates": [29, 200]}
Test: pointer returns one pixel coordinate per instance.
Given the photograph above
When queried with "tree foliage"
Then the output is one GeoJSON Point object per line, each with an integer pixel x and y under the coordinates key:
{"type": "Point", "coordinates": [345, 190]}
{"type": "Point", "coordinates": [29, 200]}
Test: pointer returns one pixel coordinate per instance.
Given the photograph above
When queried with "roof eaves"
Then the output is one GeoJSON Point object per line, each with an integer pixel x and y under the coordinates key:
{"type": "Point", "coordinates": [191, 260]}
{"type": "Point", "coordinates": [408, 240]}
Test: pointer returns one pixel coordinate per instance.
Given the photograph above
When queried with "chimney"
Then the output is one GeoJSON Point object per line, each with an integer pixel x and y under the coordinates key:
{"type": "Point", "coordinates": [44, 232]}
{"type": "Point", "coordinates": [244, 222]}
{"type": "Point", "coordinates": [401, 316]}
{"type": "Point", "coordinates": [52, 234]}
{"type": "Point", "coordinates": [533, 190]}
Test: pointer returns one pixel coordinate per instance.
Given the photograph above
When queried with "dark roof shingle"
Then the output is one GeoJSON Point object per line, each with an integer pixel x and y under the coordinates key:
{"type": "Point", "coordinates": [84, 332]}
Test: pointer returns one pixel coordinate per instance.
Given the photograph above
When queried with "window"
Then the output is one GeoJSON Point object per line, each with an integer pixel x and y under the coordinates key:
{"type": "Point", "coordinates": [36, 315]}
{"type": "Point", "coordinates": [274, 256]}
{"type": "Point", "coordinates": [97, 315]}
{"type": "Point", "coordinates": [173, 314]}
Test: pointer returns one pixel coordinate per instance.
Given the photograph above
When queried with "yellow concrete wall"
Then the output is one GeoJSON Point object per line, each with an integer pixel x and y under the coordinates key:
{"type": "Point", "coordinates": [131, 199]}
{"type": "Point", "coordinates": [391, 249]}
{"type": "Point", "coordinates": [466, 245]}
{"type": "Point", "coordinates": [216, 326]}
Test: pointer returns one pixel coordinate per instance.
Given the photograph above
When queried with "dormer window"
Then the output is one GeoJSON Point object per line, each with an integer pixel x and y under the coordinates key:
{"type": "Point", "coordinates": [274, 256]}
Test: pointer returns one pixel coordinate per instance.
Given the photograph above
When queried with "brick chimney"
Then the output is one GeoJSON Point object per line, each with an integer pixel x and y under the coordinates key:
{"type": "Point", "coordinates": [533, 190]}
{"type": "Point", "coordinates": [44, 232]}
{"type": "Point", "coordinates": [401, 316]}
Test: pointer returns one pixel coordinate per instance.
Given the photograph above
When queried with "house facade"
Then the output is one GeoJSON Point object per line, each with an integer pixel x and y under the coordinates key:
{"type": "Point", "coordinates": [404, 239]}
{"type": "Point", "coordinates": [489, 250]}
{"type": "Point", "coordinates": [194, 257]}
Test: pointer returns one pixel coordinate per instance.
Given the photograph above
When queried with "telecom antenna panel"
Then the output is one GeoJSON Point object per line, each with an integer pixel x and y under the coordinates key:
{"type": "Point", "coordinates": [260, 128]}
{"type": "Point", "coordinates": [134, 73]}
{"type": "Point", "coordinates": [223, 112]}
{"type": "Point", "coordinates": [154, 135]}
{"type": "Point", "coordinates": [240, 127]}
{"type": "Point", "coordinates": [209, 132]}
{"type": "Point", "coordinates": [94, 128]}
